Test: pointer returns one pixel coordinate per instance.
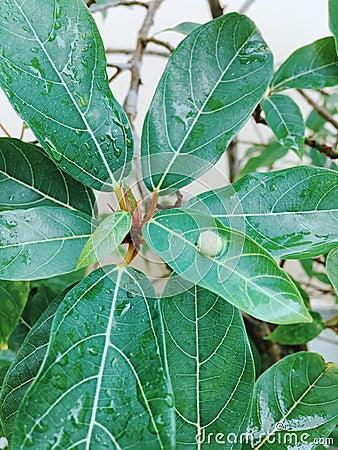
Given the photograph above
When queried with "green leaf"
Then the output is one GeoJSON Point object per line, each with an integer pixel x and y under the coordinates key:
{"type": "Point", "coordinates": [333, 19]}
{"type": "Point", "coordinates": [268, 156]}
{"type": "Point", "coordinates": [29, 178]}
{"type": "Point", "coordinates": [106, 238]}
{"type": "Point", "coordinates": [209, 360]}
{"type": "Point", "coordinates": [41, 242]}
{"type": "Point", "coordinates": [53, 70]}
{"type": "Point", "coordinates": [315, 121]}
{"type": "Point", "coordinates": [208, 91]}
{"type": "Point", "coordinates": [184, 27]}
{"type": "Point", "coordinates": [300, 333]}
{"type": "Point", "coordinates": [313, 66]}
{"type": "Point", "coordinates": [25, 368]}
{"type": "Point", "coordinates": [286, 121]}
{"type": "Point", "coordinates": [298, 396]}
{"type": "Point", "coordinates": [13, 298]}
{"type": "Point", "coordinates": [332, 268]}
{"type": "Point", "coordinates": [17, 337]}
{"type": "Point", "coordinates": [118, 392]}
{"type": "Point", "coordinates": [242, 272]}
{"type": "Point", "coordinates": [292, 213]}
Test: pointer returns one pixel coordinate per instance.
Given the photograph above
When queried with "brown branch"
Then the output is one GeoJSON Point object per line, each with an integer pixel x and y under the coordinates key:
{"type": "Point", "coordinates": [112, 4]}
{"type": "Point", "coordinates": [215, 8]}
{"type": "Point", "coordinates": [322, 148]}
{"type": "Point", "coordinates": [246, 6]}
{"type": "Point", "coordinates": [89, 3]}
{"type": "Point", "coordinates": [130, 103]}
{"type": "Point", "coordinates": [129, 51]}
{"type": "Point", "coordinates": [4, 130]}
{"type": "Point", "coordinates": [162, 44]}
{"type": "Point", "coordinates": [320, 110]}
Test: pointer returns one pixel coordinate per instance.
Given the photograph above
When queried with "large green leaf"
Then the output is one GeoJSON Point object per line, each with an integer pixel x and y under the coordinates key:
{"type": "Point", "coordinates": [292, 213]}
{"type": "Point", "coordinates": [41, 242]}
{"type": "Point", "coordinates": [286, 121]}
{"type": "Point", "coordinates": [333, 16]}
{"type": "Point", "coordinates": [313, 66]}
{"type": "Point", "coordinates": [106, 238]}
{"type": "Point", "coordinates": [296, 399]}
{"type": "Point", "coordinates": [13, 298]}
{"type": "Point", "coordinates": [332, 267]}
{"type": "Point", "coordinates": [29, 178]}
{"type": "Point", "coordinates": [299, 333]}
{"type": "Point", "coordinates": [53, 70]}
{"type": "Point", "coordinates": [209, 89]}
{"type": "Point", "coordinates": [210, 363]}
{"type": "Point", "coordinates": [242, 272]}
{"type": "Point", "coordinates": [103, 384]}
{"type": "Point", "coordinates": [25, 367]}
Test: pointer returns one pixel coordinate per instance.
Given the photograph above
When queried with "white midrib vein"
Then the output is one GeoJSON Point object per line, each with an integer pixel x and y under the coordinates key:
{"type": "Point", "coordinates": [199, 112]}
{"type": "Point", "coordinates": [291, 409]}
{"type": "Point", "coordinates": [43, 194]}
{"type": "Point", "coordinates": [110, 173]}
{"type": "Point", "coordinates": [294, 77]}
{"type": "Point", "coordinates": [274, 107]}
{"type": "Point", "coordinates": [103, 361]}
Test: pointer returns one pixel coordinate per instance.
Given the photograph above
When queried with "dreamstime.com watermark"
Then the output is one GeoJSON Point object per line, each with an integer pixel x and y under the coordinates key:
{"type": "Point", "coordinates": [287, 437]}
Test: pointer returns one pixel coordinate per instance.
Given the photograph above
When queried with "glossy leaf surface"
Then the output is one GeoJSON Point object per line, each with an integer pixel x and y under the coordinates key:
{"type": "Point", "coordinates": [53, 70]}
{"type": "Point", "coordinates": [13, 298]}
{"type": "Point", "coordinates": [41, 242]}
{"type": "Point", "coordinates": [102, 384]}
{"type": "Point", "coordinates": [243, 273]}
{"type": "Point", "coordinates": [29, 179]}
{"type": "Point", "coordinates": [292, 212]}
{"type": "Point", "coordinates": [313, 66]}
{"type": "Point", "coordinates": [209, 89]}
{"type": "Point", "coordinates": [27, 364]}
{"type": "Point", "coordinates": [297, 395]}
{"type": "Point", "coordinates": [286, 121]}
{"type": "Point", "coordinates": [300, 333]}
{"type": "Point", "coordinates": [210, 363]}
{"type": "Point", "coordinates": [332, 267]}
{"type": "Point", "coordinates": [106, 238]}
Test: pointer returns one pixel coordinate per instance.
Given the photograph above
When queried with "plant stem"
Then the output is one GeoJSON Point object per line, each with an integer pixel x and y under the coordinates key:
{"type": "Point", "coordinates": [130, 103]}
{"type": "Point", "coordinates": [113, 4]}
{"type": "Point", "coordinates": [119, 195]}
{"type": "Point", "coordinates": [4, 130]}
{"type": "Point", "coordinates": [320, 110]}
{"type": "Point", "coordinates": [152, 209]}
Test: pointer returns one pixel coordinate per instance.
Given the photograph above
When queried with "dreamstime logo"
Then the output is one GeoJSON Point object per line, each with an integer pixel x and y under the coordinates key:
{"type": "Point", "coordinates": [183, 243]}
{"type": "Point", "coordinates": [280, 435]}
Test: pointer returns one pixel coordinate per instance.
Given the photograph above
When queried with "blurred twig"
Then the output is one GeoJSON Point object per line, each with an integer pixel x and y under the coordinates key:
{"type": "Point", "coordinates": [215, 8]}
{"type": "Point", "coordinates": [320, 110]}
{"type": "Point", "coordinates": [162, 44]}
{"type": "Point", "coordinates": [129, 51]}
{"type": "Point", "coordinates": [130, 103]}
{"type": "Point", "coordinates": [112, 4]}
{"type": "Point", "coordinates": [246, 6]}
{"type": "Point", "coordinates": [4, 130]}
{"type": "Point", "coordinates": [322, 148]}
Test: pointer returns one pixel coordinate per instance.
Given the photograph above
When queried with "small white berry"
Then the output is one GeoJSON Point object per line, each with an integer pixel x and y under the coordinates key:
{"type": "Point", "coordinates": [210, 243]}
